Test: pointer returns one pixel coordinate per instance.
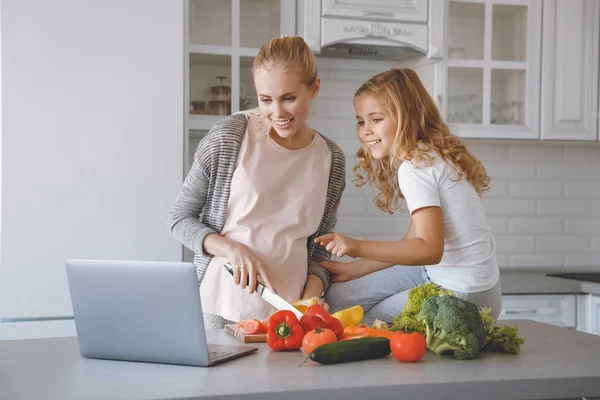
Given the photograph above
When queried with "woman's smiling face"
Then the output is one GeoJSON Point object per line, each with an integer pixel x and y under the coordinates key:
{"type": "Point", "coordinates": [376, 127]}
{"type": "Point", "coordinates": [283, 99]}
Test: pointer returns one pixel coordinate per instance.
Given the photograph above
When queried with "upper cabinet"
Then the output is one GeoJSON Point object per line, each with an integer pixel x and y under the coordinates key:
{"type": "Point", "coordinates": [380, 10]}
{"type": "Point", "coordinates": [491, 76]}
{"type": "Point", "coordinates": [570, 70]}
{"type": "Point", "coordinates": [222, 39]}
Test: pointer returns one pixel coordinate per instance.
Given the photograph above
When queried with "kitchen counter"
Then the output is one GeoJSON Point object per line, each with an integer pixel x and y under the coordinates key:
{"type": "Point", "coordinates": [554, 363]}
{"type": "Point", "coordinates": [530, 280]}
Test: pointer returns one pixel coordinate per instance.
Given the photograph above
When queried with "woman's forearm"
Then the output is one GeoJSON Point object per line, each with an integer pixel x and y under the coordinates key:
{"type": "Point", "coordinates": [217, 245]}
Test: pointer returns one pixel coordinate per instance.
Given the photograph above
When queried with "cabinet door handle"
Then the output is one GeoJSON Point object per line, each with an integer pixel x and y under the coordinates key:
{"type": "Point", "coordinates": [377, 14]}
{"type": "Point", "coordinates": [532, 311]}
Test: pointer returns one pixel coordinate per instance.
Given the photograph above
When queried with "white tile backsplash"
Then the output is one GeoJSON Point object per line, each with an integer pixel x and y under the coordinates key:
{"type": "Point", "coordinates": [544, 202]}
{"type": "Point", "coordinates": [535, 225]}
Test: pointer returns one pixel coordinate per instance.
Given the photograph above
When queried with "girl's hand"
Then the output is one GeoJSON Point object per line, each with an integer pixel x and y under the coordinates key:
{"type": "Point", "coordinates": [341, 271]}
{"type": "Point", "coordinates": [248, 270]}
{"type": "Point", "coordinates": [339, 245]}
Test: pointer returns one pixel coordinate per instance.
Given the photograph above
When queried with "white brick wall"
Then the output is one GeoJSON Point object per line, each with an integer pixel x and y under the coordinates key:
{"type": "Point", "coordinates": [544, 205]}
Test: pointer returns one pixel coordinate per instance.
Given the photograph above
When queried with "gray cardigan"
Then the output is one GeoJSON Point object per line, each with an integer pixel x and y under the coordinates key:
{"type": "Point", "coordinates": [199, 208]}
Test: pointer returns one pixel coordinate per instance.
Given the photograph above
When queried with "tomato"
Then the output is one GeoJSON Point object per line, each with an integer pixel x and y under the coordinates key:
{"type": "Point", "coordinates": [251, 327]}
{"type": "Point", "coordinates": [316, 337]}
{"type": "Point", "coordinates": [408, 347]}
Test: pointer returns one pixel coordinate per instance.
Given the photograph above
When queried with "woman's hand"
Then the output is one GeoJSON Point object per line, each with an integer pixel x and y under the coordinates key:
{"type": "Point", "coordinates": [248, 270]}
{"type": "Point", "coordinates": [339, 245]}
{"type": "Point", "coordinates": [342, 271]}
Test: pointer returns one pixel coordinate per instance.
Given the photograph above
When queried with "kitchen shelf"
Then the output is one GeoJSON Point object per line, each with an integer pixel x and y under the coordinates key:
{"type": "Point", "coordinates": [201, 122]}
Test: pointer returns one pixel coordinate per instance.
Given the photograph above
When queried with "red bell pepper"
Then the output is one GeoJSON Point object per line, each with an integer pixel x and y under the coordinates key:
{"type": "Point", "coordinates": [284, 332]}
{"type": "Point", "coordinates": [317, 317]}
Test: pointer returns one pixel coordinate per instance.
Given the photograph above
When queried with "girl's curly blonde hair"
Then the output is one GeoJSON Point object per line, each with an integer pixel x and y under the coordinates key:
{"type": "Point", "coordinates": [420, 130]}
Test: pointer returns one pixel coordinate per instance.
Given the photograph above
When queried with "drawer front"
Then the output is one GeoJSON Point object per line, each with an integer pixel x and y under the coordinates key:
{"type": "Point", "coordinates": [381, 10]}
{"type": "Point", "coordinates": [560, 310]}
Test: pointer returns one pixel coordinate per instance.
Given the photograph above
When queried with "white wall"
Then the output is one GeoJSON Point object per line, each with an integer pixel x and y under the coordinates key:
{"type": "Point", "coordinates": [544, 206]}
{"type": "Point", "coordinates": [92, 140]}
{"type": "Point", "coordinates": [1, 124]}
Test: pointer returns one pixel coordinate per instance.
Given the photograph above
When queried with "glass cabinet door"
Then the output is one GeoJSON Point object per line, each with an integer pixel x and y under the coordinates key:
{"type": "Point", "coordinates": [466, 25]}
{"type": "Point", "coordinates": [259, 21]}
{"type": "Point", "coordinates": [248, 97]}
{"type": "Point", "coordinates": [493, 63]}
{"type": "Point", "coordinates": [210, 84]}
{"type": "Point", "coordinates": [210, 22]}
{"type": "Point", "coordinates": [222, 39]}
{"type": "Point", "coordinates": [465, 91]}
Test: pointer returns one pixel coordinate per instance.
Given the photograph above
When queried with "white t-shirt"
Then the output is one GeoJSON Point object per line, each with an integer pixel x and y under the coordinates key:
{"type": "Point", "coordinates": [469, 263]}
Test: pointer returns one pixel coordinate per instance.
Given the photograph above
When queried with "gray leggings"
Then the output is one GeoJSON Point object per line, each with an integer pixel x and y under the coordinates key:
{"type": "Point", "coordinates": [382, 294]}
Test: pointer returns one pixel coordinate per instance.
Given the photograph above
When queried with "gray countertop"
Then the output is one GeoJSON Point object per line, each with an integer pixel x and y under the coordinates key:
{"type": "Point", "coordinates": [554, 363]}
{"type": "Point", "coordinates": [529, 280]}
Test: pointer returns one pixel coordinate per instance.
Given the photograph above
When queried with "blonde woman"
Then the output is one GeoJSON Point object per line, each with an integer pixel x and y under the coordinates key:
{"type": "Point", "coordinates": [262, 186]}
{"type": "Point", "coordinates": [409, 154]}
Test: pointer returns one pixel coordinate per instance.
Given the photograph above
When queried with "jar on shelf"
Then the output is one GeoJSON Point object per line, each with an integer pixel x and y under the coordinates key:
{"type": "Point", "coordinates": [220, 107]}
{"type": "Point", "coordinates": [220, 92]}
{"type": "Point", "coordinates": [220, 98]}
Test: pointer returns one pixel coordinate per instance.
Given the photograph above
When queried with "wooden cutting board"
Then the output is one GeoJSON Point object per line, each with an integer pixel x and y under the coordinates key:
{"type": "Point", "coordinates": [233, 330]}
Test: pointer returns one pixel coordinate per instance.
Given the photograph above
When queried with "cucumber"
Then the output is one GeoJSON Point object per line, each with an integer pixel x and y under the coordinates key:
{"type": "Point", "coordinates": [351, 350]}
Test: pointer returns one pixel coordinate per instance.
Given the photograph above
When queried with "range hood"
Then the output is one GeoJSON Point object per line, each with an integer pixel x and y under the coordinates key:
{"type": "Point", "coordinates": [381, 35]}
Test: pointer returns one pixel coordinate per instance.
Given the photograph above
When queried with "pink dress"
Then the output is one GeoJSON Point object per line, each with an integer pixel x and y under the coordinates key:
{"type": "Point", "coordinates": [276, 202]}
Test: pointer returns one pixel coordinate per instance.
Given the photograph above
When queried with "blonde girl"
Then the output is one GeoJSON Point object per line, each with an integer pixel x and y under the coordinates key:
{"type": "Point", "coordinates": [410, 156]}
{"type": "Point", "coordinates": [262, 186]}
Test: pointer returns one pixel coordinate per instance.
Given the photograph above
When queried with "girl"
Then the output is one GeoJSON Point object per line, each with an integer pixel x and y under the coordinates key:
{"type": "Point", "coordinates": [408, 153]}
{"type": "Point", "coordinates": [262, 186]}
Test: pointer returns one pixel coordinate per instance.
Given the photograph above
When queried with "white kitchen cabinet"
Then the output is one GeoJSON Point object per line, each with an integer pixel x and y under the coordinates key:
{"type": "Point", "coordinates": [556, 309]}
{"type": "Point", "coordinates": [491, 74]}
{"type": "Point", "coordinates": [595, 314]}
{"type": "Point", "coordinates": [570, 70]}
{"type": "Point", "coordinates": [380, 10]}
{"type": "Point", "coordinates": [588, 313]}
{"type": "Point", "coordinates": [221, 40]}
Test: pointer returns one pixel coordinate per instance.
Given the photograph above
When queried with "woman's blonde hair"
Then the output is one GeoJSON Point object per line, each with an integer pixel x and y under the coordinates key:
{"type": "Point", "coordinates": [288, 53]}
{"type": "Point", "coordinates": [420, 130]}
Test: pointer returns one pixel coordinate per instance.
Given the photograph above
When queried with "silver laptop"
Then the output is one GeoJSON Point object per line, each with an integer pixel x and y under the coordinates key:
{"type": "Point", "coordinates": [142, 311]}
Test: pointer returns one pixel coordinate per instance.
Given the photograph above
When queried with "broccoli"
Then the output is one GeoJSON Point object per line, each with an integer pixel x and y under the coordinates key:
{"type": "Point", "coordinates": [408, 324]}
{"type": "Point", "coordinates": [452, 325]}
{"type": "Point", "coordinates": [406, 321]}
{"type": "Point", "coordinates": [503, 339]}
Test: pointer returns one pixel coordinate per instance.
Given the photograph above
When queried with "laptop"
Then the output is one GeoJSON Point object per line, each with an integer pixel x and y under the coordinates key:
{"type": "Point", "coordinates": [143, 311]}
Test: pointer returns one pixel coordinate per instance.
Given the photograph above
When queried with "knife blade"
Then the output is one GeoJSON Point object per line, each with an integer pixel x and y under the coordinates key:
{"type": "Point", "coordinates": [267, 295]}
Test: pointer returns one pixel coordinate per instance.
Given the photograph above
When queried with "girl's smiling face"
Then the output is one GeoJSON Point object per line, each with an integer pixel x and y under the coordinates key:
{"type": "Point", "coordinates": [376, 127]}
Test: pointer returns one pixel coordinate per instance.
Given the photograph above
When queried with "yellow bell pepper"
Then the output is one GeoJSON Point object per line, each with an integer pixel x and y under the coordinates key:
{"type": "Point", "coordinates": [302, 304]}
{"type": "Point", "coordinates": [350, 316]}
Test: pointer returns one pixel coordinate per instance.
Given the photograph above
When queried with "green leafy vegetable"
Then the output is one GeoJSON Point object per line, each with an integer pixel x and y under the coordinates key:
{"type": "Point", "coordinates": [502, 339]}
{"type": "Point", "coordinates": [406, 320]}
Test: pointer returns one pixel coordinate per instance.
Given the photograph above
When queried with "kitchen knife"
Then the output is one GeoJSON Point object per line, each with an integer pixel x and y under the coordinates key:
{"type": "Point", "coordinates": [276, 301]}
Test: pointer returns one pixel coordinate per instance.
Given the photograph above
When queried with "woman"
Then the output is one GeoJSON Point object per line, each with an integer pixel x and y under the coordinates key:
{"type": "Point", "coordinates": [262, 186]}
